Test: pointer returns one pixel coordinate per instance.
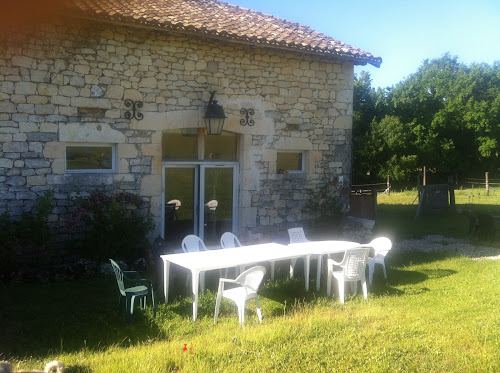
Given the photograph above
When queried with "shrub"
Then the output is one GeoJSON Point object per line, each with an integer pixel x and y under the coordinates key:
{"type": "Point", "coordinates": [7, 247]}
{"type": "Point", "coordinates": [36, 224]}
{"type": "Point", "coordinates": [27, 236]}
{"type": "Point", "coordinates": [114, 225]}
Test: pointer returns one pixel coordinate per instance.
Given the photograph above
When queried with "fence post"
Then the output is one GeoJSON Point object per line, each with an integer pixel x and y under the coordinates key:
{"type": "Point", "coordinates": [388, 185]}
{"type": "Point", "coordinates": [424, 177]}
{"type": "Point", "coordinates": [451, 189]}
{"type": "Point", "coordinates": [487, 184]}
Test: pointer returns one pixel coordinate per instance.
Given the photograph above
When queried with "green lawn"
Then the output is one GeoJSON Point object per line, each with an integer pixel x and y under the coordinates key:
{"type": "Point", "coordinates": [396, 215]}
{"type": "Point", "coordinates": [435, 313]}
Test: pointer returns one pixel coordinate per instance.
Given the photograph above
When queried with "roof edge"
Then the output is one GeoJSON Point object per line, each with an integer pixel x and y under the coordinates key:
{"type": "Point", "coordinates": [223, 35]}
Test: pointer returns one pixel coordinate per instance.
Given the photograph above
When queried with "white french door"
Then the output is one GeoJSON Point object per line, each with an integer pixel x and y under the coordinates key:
{"type": "Point", "coordinates": [199, 198]}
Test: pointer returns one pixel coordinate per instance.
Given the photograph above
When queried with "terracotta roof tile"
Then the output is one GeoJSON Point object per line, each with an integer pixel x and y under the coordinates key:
{"type": "Point", "coordinates": [218, 19]}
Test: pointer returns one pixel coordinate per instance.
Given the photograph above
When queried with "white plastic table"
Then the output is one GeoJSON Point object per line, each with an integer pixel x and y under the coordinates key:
{"type": "Point", "coordinates": [199, 262]}
{"type": "Point", "coordinates": [320, 248]}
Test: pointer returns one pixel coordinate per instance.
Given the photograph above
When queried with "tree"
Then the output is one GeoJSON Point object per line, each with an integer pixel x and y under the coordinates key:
{"type": "Point", "coordinates": [367, 107]}
{"type": "Point", "coordinates": [364, 104]}
{"type": "Point", "coordinates": [446, 116]}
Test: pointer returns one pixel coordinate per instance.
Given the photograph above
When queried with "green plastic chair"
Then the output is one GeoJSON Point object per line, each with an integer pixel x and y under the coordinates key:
{"type": "Point", "coordinates": [142, 288]}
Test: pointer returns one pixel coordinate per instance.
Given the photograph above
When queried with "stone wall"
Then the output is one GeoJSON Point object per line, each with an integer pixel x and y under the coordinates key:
{"type": "Point", "coordinates": [357, 230]}
{"type": "Point", "coordinates": [67, 84]}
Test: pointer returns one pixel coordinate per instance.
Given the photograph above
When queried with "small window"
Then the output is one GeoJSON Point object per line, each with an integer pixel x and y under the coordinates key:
{"type": "Point", "coordinates": [180, 144]}
{"type": "Point", "coordinates": [193, 144]}
{"type": "Point", "coordinates": [221, 148]}
{"type": "Point", "coordinates": [290, 162]}
{"type": "Point", "coordinates": [90, 158]}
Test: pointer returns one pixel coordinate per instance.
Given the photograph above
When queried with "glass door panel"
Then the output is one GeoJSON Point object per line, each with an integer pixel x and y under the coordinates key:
{"type": "Point", "coordinates": [181, 197]}
{"type": "Point", "coordinates": [218, 198]}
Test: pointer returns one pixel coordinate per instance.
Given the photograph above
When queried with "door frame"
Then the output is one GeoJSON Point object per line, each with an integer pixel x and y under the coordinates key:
{"type": "Point", "coordinates": [199, 192]}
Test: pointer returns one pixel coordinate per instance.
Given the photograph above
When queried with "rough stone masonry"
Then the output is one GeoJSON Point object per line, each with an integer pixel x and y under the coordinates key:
{"type": "Point", "coordinates": [66, 83]}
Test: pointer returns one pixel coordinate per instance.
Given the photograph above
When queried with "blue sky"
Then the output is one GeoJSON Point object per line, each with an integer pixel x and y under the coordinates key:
{"type": "Point", "coordinates": [404, 33]}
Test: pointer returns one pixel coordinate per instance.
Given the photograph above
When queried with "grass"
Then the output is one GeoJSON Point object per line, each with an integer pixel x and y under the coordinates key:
{"type": "Point", "coordinates": [396, 215]}
{"type": "Point", "coordinates": [436, 313]}
{"type": "Point", "coordinates": [472, 198]}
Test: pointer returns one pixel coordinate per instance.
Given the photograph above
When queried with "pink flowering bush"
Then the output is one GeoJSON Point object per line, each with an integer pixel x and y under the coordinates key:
{"type": "Point", "coordinates": [115, 226]}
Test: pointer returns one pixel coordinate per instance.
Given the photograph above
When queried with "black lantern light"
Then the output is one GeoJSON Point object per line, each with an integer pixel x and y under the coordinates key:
{"type": "Point", "coordinates": [214, 116]}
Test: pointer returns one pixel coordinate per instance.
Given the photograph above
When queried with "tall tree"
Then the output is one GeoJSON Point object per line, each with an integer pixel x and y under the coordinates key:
{"type": "Point", "coordinates": [364, 104]}
{"type": "Point", "coordinates": [367, 108]}
{"type": "Point", "coordinates": [446, 116]}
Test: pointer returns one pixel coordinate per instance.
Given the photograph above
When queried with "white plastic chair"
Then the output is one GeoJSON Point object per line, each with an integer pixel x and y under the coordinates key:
{"type": "Point", "coordinates": [381, 245]}
{"type": "Point", "coordinates": [296, 235]}
{"type": "Point", "coordinates": [229, 241]}
{"type": "Point", "coordinates": [192, 243]}
{"type": "Point", "coordinates": [249, 282]}
{"type": "Point", "coordinates": [352, 269]}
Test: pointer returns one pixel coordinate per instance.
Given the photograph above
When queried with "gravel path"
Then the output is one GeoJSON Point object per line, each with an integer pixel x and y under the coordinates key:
{"type": "Point", "coordinates": [437, 243]}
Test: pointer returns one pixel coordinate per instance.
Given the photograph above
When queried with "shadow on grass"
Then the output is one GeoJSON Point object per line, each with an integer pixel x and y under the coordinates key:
{"type": "Point", "coordinates": [400, 258]}
{"type": "Point", "coordinates": [403, 277]}
{"type": "Point", "coordinates": [282, 290]}
{"type": "Point", "coordinates": [397, 263]}
{"type": "Point", "coordinates": [438, 273]}
{"type": "Point", "coordinates": [288, 293]}
{"type": "Point", "coordinates": [398, 222]}
{"type": "Point", "coordinates": [47, 319]}
{"type": "Point", "coordinates": [384, 289]}
{"type": "Point", "coordinates": [285, 294]}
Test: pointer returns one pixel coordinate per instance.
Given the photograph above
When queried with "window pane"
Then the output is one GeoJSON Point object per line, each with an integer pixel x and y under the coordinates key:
{"type": "Point", "coordinates": [89, 157]}
{"type": "Point", "coordinates": [218, 203]}
{"type": "Point", "coordinates": [289, 161]}
{"type": "Point", "coordinates": [180, 204]}
{"type": "Point", "coordinates": [221, 148]}
{"type": "Point", "coordinates": [180, 144]}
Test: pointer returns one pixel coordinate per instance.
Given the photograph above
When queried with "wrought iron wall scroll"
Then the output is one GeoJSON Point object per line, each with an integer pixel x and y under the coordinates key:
{"type": "Point", "coordinates": [135, 105]}
{"type": "Point", "coordinates": [247, 120]}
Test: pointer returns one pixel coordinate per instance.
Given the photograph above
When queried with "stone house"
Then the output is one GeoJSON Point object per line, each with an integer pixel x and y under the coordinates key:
{"type": "Point", "coordinates": [114, 94]}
